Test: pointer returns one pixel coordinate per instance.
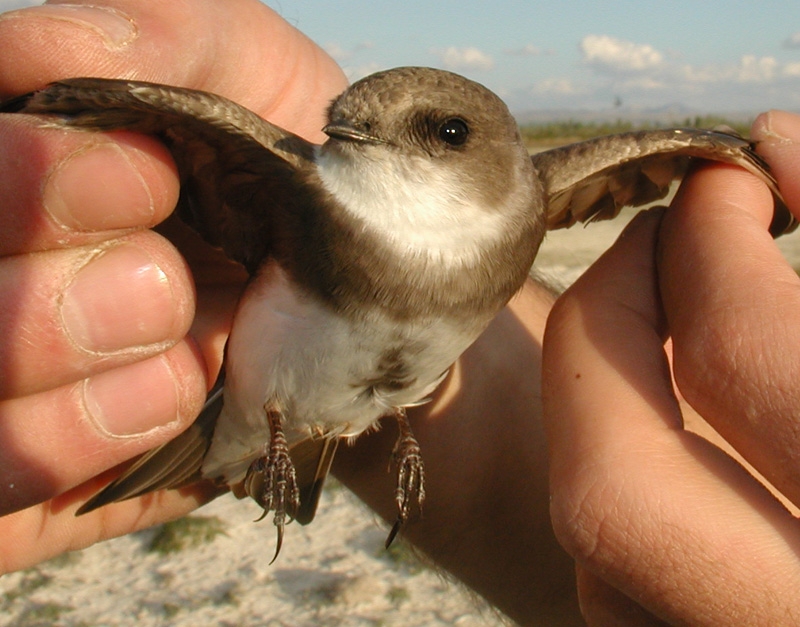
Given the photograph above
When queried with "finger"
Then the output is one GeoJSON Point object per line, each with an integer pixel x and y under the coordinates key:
{"type": "Point", "coordinates": [603, 605]}
{"type": "Point", "coordinates": [777, 134]}
{"type": "Point", "coordinates": [97, 422]}
{"type": "Point", "coordinates": [279, 72]}
{"type": "Point", "coordinates": [47, 530]}
{"type": "Point", "coordinates": [732, 304]}
{"type": "Point", "coordinates": [202, 41]}
{"type": "Point", "coordinates": [658, 513]}
{"type": "Point", "coordinates": [72, 313]}
{"type": "Point", "coordinates": [71, 188]}
{"type": "Point", "coordinates": [283, 76]}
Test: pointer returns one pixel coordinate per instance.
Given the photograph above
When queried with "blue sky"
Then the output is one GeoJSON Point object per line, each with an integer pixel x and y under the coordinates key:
{"type": "Point", "coordinates": [708, 55]}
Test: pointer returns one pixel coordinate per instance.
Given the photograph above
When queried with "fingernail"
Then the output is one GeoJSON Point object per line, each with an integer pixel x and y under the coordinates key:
{"type": "Point", "coordinates": [116, 28]}
{"type": "Point", "coordinates": [98, 188]}
{"type": "Point", "coordinates": [777, 125]}
{"type": "Point", "coordinates": [134, 399]}
{"type": "Point", "coordinates": [119, 299]}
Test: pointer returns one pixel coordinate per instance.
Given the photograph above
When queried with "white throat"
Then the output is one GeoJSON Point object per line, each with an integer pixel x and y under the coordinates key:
{"type": "Point", "coordinates": [416, 205]}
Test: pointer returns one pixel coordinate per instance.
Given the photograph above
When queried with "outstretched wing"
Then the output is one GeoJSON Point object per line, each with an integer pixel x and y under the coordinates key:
{"type": "Point", "coordinates": [593, 180]}
{"type": "Point", "coordinates": [235, 167]}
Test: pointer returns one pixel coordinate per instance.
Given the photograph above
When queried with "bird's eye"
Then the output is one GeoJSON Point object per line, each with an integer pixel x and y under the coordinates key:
{"type": "Point", "coordinates": [454, 132]}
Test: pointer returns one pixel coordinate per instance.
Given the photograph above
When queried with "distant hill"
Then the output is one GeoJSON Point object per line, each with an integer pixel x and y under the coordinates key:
{"type": "Point", "coordinates": [549, 128]}
{"type": "Point", "coordinates": [669, 115]}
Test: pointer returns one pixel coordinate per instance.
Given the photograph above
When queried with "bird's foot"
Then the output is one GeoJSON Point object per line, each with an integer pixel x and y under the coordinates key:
{"type": "Point", "coordinates": [271, 480]}
{"type": "Point", "coordinates": [410, 474]}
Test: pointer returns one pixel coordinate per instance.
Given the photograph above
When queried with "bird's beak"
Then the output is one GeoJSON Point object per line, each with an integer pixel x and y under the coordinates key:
{"type": "Point", "coordinates": [344, 131]}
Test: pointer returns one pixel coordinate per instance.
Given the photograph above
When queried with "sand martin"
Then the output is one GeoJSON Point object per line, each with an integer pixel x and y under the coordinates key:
{"type": "Point", "coordinates": [375, 259]}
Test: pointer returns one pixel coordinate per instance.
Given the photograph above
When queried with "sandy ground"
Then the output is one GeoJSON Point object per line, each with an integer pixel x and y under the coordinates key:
{"type": "Point", "coordinates": [334, 572]}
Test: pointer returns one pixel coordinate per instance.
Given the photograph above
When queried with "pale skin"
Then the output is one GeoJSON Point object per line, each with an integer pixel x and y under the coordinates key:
{"type": "Point", "coordinates": [663, 526]}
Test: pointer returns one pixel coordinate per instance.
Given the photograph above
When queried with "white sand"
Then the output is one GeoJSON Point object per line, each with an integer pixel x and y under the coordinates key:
{"type": "Point", "coordinates": [332, 572]}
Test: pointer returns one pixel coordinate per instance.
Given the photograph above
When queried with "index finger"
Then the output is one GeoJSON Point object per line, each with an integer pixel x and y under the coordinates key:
{"type": "Point", "coordinates": [282, 76]}
{"type": "Point", "coordinates": [733, 306]}
{"type": "Point", "coordinates": [654, 511]}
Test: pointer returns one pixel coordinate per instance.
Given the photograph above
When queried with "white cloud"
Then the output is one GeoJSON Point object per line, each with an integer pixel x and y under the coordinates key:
{"type": "Point", "coordinates": [749, 69]}
{"type": "Point", "coordinates": [353, 66]}
{"type": "Point", "coordinates": [619, 55]}
{"type": "Point", "coordinates": [528, 50]}
{"type": "Point", "coordinates": [337, 52]}
{"type": "Point", "coordinates": [560, 86]}
{"type": "Point", "coordinates": [464, 58]}
{"type": "Point", "coordinates": [756, 70]}
{"type": "Point", "coordinates": [340, 53]}
{"type": "Point", "coordinates": [646, 77]}
{"type": "Point", "coordinates": [706, 74]}
{"type": "Point", "coordinates": [357, 72]}
{"type": "Point", "coordinates": [792, 41]}
{"type": "Point", "coordinates": [645, 83]}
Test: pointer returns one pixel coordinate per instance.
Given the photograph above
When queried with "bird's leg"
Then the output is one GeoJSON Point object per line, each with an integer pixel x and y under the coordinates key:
{"type": "Point", "coordinates": [271, 480]}
{"type": "Point", "coordinates": [410, 473]}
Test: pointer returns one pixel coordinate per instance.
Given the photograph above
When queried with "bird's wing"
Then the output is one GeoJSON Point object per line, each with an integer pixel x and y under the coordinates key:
{"type": "Point", "coordinates": [172, 465]}
{"type": "Point", "coordinates": [593, 180]}
{"type": "Point", "coordinates": [235, 167]}
{"type": "Point", "coordinates": [235, 170]}
{"type": "Point", "coordinates": [177, 463]}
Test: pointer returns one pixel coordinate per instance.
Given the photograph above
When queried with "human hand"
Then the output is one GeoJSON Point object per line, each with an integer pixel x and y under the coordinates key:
{"type": "Point", "coordinates": [99, 362]}
{"type": "Point", "coordinates": [663, 524]}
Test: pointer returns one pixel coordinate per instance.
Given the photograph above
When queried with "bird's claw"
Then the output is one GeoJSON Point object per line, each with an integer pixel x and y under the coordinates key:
{"type": "Point", "coordinates": [271, 481]}
{"type": "Point", "coordinates": [410, 475]}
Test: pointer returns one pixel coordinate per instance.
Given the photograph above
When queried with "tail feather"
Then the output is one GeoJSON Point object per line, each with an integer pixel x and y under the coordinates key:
{"type": "Point", "coordinates": [312, 459]}
{"type": "Point", "coordinates": [178, 463]}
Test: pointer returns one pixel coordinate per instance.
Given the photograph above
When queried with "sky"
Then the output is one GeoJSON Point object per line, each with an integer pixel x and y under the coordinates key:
{"type": "Point", "coordinates": [706, 55]}
{"type": "Point", "coordinates": [709, 56]}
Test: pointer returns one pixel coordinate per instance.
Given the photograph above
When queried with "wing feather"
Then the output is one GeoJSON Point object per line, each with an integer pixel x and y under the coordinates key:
{"type": "Point", "coordinates": [595, 179]}
{"type": "Point", "coordinates": [172, 465]}
{"type": "Point", "coordinates": [235, 167]}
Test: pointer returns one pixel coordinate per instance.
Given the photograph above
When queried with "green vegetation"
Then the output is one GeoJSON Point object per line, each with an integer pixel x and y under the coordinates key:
{"type": "Point", "coordinates": [42, 614]}
{"type": "Point", "coordinates": [185, 533]}
{"type": "Point", "coordinates": [568, 131]}
{"type": "Point", "coordinates": [64, 560]}
{"type": "Point", "coordinates": [32, 579]}
{"type": "Point", "coordinates": [398, 595]}
{"type": "Point", "coordinates": [170, 610]}
{"type": "Point", "coordinates": [401, 555]}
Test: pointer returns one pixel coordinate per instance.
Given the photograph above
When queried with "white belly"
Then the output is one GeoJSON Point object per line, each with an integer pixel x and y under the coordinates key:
{"type": "Point", "coordinates": [299, 357]}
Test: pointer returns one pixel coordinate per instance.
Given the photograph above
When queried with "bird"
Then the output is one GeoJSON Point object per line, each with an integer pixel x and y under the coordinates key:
{"type": "Point", "coordinates": [375, 259]}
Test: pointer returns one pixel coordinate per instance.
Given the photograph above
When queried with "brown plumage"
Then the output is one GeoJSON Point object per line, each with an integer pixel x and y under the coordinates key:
{"type": "Point", "coordinates": [273, 203]}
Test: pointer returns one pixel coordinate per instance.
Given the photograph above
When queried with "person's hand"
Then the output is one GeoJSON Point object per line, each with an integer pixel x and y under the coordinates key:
{"type": "Point", "coordinates": [96, 362]}
{"type": "Point", "coordinates": [663, 524]}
